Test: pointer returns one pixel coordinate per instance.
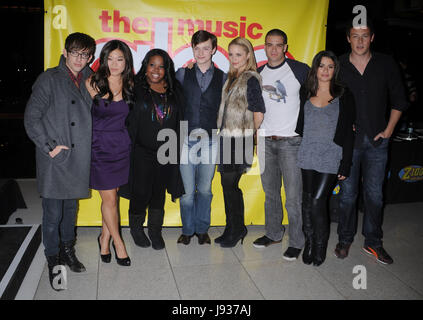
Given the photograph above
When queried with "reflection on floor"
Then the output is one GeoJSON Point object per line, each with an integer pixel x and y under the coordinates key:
{"type": "Point", "coordinates": [210, 272]}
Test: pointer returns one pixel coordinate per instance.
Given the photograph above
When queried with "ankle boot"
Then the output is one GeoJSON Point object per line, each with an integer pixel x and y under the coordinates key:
{"type": "Point", "coordinates": [320, 221]}
{"type": "Point", "coordinates": [319, 253]}
{"type": "Point", "coordinates": [232, 238]}
{"type": "Point", "coordinates": [53, 261]}
{"type": "Point", "coordinates": [68, 257]}
{"type": "Point", "coordinates": [136, 222]}
{"type": "Point", "coordinates": [154, 224]}
{"type": "Point", "coordinates": [223, 236]}
{"type": "Point", "coordinates": [307, 228]}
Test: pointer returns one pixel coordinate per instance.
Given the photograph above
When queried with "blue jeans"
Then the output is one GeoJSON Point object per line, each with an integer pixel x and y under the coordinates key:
{"type": "Point", "coordinates": [372, 161]}
{"type": "Point", "coordinates": [197, 175]}
{"type": "Point", "coordinates": [281, 164]}
{"type": "Point", "coordinates": [59, 217]}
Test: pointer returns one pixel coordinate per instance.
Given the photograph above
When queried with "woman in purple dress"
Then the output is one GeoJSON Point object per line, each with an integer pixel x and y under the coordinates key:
{"type": "Point", "coordinates": [111, 88]}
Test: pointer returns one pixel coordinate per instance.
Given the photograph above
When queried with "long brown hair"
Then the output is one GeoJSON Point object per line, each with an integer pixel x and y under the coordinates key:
{"type": "Point", "coordinates": [312, 84]}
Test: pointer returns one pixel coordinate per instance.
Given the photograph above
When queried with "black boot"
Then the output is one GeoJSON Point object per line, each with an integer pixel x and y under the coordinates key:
{"type": "Point", "coordinates": [68, 257]}
{"type": "Point", "coordinates": [136, 222]}
{"type": "Point", "coordinates": [225, 233]}
{"type": "Point", "coordinates": [307, 228]}
{"type": "Point", "coordinates": [228, 227]}
{"type": "Point", "coordinates": [235, 215]}
{"type": "Point", "coordinates": [320, 222]}
{"type": "Point", "coordinates": [53, 261]}
{"type": "Point", "coordinates": [154, 224]}
{"type": "Point", "coordinates": [232, 238]}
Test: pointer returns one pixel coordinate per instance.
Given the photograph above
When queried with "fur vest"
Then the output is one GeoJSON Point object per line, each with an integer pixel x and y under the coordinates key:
{"type": "Point", "coordinates": [234, 119]}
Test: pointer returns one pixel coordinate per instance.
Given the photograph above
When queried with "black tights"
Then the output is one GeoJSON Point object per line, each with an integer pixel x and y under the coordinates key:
{"type": "Point", "coordinates": [234, 201]}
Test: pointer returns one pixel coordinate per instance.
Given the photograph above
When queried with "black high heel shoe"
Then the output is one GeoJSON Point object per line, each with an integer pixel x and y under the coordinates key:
{"type": "Point", "coordinates": [230, 241]}
{"type": "Point", "coordinates": [106, 258]}
{"type": "Point", "coordinates": [126, 262]}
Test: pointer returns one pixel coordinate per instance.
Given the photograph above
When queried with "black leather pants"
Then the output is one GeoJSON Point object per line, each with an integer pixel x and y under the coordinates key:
{"type": "Point", "coordinates": [317, 187]}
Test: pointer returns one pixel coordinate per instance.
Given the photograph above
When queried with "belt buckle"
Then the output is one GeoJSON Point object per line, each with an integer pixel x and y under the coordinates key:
{"type": "Point", "coordinates": [277, 138]}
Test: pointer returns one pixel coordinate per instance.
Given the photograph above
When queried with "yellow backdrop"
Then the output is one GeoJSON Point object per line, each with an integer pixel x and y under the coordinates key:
{"type": "Point", "coordinates": [169, 24]}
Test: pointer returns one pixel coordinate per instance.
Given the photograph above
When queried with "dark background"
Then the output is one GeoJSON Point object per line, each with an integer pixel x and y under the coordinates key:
{"type": "Point", "coordinates": [398, 29]}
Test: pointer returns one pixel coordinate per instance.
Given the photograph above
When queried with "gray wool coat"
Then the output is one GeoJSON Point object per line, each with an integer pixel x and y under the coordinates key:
{"type": "Point", "coordinates": [58, 113]}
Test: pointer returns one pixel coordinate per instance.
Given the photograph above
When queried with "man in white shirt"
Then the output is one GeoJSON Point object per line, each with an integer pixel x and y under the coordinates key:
{"type": "Point", "coordinates": [282, 79]}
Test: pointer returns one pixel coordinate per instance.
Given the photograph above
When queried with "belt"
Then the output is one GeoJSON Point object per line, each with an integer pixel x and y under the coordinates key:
{"type": "Point", "coordinates": [278, 138]}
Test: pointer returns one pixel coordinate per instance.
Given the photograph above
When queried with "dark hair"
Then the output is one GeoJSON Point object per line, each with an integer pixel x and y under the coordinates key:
{"type": "Point", "coordinates": [202, 36]}
{"type": "Point", "coordinates": [369, 24]}
{"type": "Point", "coordinates": [169, 67]}
{"type": "Point", "coordinates": [312, 84]}
{"type": "Point", "coordinates": [277, 32]}
{"type": "Point", "coordinates": [99, 80]}
{"type": "Point", "coordinates": [80, 41]}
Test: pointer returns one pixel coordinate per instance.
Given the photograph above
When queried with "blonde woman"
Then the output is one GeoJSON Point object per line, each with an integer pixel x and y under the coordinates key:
{"type": "Point", "coordinates": [240, 114]}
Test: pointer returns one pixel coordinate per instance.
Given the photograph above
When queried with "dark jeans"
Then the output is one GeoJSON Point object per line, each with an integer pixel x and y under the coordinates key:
{"type": "Point", "coordinates": [59, 217]}
{"type": "Point", "coordinates": [372, 161]}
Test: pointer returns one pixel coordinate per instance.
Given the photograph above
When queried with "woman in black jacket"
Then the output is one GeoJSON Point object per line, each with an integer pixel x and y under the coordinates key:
{"type": "Point", "coordinates": [325, 121]}
{"type": "Point", "coordinates": [157, 112]}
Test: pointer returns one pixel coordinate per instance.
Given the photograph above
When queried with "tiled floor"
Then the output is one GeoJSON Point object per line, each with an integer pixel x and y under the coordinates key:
{"type": "Point", "coordinates": [210, 272]}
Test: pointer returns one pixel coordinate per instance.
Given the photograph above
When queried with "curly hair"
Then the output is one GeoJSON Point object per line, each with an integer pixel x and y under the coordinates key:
{"type": "Point", "coordinates": [171, 82]}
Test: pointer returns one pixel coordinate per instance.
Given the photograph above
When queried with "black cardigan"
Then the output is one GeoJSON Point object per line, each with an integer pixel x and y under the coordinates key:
{"type": "Point", "coordinates": [174, 184]}
{"type": "Point", "coordinates": [344, 134]}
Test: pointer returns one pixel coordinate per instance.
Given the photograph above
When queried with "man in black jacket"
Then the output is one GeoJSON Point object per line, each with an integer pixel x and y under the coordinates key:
{"type": "Point", "coordinates": [373, 78]}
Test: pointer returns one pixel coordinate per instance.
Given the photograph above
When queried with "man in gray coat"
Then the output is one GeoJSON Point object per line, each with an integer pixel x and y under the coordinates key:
{"type": "Point", "coordinates": [58, 120]}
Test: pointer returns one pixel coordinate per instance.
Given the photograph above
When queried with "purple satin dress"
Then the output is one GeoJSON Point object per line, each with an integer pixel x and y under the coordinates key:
{"type": "Point", "coordinates": [111, 145]}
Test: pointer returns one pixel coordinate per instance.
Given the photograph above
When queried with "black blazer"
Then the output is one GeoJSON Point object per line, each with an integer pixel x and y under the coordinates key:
{"type": "Point", "coordinates": [344, 134]}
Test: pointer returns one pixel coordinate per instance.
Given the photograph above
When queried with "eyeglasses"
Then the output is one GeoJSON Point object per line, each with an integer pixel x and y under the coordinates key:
{"type": "Point", "coordinates": [76, 54]}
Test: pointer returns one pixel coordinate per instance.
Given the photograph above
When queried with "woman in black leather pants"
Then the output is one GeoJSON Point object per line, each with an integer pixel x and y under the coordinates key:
{"type": "Point", "coordinates": [327, 114]}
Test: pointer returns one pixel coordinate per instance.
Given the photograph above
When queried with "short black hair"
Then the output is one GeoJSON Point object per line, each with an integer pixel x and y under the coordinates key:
{"type": "Point", "coordinates": [369, 24]}
{"type": "Point", "coordinates": [277, 32]}
{"type": "Point", "coordinates": [80, 41]}
{"type": "Point", "coordinates": [202, 36]}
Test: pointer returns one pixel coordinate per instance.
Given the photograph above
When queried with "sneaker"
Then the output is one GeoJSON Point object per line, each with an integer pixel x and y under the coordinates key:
{"type": "Point", "coordinates": [291, 254]}
{"type": "Point", "coordinates": [342, 249]}
{"type": "Point", "coordinates": [381, 255]}
{"type": "Point", "coordinates": [264, 242]}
